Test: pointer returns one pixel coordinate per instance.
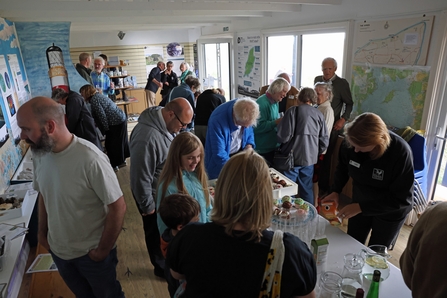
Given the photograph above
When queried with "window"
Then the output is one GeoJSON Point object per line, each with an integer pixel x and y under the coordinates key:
{"type": "Point", "coordinates": [300, 55]}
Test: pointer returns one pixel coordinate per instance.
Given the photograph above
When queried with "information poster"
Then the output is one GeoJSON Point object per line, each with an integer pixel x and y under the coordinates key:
{"type": "Point", "coordinates": [3, 130]}
{"type": "Point", "coordinates": [248, 64]}
{"type": "Point", "coordinates": [22, 87]}
{"type": "Point", "coordinates": [153, 55]}
{"type": "Point", "coordinates": [9, 97]}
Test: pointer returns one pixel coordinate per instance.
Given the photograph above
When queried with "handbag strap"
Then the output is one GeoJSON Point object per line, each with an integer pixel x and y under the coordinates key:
{"type": "Point", "coordinates": [286, 148]}
{"type": "Point", "coordinates": [271, 283]}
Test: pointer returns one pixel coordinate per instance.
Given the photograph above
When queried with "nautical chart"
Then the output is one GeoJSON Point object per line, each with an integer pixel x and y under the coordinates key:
{"type": "Point", "coordinates": [393, 42]}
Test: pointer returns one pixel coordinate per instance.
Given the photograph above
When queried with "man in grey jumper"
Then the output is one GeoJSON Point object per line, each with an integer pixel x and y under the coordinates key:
{"type": "Point", "coordinates": [149, 146]}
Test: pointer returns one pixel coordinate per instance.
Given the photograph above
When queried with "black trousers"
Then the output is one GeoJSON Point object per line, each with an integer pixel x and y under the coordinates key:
{"type": "Point", "coordinates": [325, 170]}
{"type": "Point", "coordinates": [152, 238]}
{"type": "Point", "coordinates": [383, 230]}
{"type": "Point", "coordinates": [117, 144]}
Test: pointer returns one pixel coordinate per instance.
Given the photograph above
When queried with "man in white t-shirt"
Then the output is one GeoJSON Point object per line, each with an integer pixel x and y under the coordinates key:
{"type": "Point", "coordinates": [81, 205]}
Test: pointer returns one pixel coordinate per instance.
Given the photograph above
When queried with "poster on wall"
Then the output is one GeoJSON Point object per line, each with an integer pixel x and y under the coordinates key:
{"type": "Point", "coordinates": [10, 101]}
{"type": "Point", "coordinates": [393, 42]}
{"type": "Point", "coordinates": [153, 55]}
{"type": "Point", "coordinates": [22, 87]}
{"type": "Point", "coordinates": [248, 65]}
{"type": "Point", "coordinates": [395, 93]}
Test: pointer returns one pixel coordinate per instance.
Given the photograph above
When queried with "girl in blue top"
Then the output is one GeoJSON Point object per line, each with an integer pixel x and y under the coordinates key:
{"type": "Point", "coordinates": [184, 172]}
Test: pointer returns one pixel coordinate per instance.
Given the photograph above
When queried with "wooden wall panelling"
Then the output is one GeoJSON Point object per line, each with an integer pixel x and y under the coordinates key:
{"type": "Point", "coordinates": [135, 56]}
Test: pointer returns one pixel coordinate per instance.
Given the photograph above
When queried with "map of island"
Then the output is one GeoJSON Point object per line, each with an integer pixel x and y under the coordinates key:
{"type": "Point", "coordinates": [250, 62]}
{"type": "Point", "coordinates": [396, 42]}
{"type": "Point", "coordinates": [395, 94]}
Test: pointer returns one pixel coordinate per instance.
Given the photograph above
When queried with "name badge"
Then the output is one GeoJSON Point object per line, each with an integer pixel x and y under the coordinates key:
{"type": "Point", "coordinates": [291, 96]}
{"type": "Point", "coordinates": [355, 164]}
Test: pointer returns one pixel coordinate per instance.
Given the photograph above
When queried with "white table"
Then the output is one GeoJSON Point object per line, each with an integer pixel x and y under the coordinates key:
{"type": "Point", "coordinates": [9, 274]}
{"type": "Point", "coordinates": [341, 243]}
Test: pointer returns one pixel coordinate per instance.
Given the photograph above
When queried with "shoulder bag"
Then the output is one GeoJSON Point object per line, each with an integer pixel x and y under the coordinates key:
{"type": "Point", "coordinates": [271, 283]}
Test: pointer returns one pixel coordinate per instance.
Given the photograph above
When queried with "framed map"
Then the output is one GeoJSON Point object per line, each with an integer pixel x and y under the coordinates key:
{"type": "Point", "coordinates": [396, 94]}
{"type": "Point", "coordinates": [248, 52]}
{"type": "Point", "coordinates": [393, 42]}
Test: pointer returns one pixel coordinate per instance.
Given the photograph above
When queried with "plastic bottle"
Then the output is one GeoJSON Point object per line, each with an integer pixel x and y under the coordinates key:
{"type": "Point", "coordinates": [374, 288]}
{"type": "Point", "coordinates": [360, 293]}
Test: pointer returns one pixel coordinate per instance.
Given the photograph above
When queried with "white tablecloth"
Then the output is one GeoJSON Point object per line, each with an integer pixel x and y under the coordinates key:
{"type": "Point", "coordinates": [340, 244]}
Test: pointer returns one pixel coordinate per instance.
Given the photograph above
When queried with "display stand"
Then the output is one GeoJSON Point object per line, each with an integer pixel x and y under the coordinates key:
{"type": "Point", "coordinates": [17, 253]}
{"type": "Point", "coordinates": [123, 88]}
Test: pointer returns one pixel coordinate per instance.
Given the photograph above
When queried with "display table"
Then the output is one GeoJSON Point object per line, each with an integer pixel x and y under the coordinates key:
{"type": "Point", "coordinates": [124, 104]}
{"type": "Point", "coordinates": [12, 268]}
{"type": "Point", "coordinates": [341, 243]}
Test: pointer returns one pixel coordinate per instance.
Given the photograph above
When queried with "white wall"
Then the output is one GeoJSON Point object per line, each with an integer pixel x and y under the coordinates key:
{"type": "Point", "coordinates": [348, 10]}
{"type": "Point", "coordinates": [95, 39]}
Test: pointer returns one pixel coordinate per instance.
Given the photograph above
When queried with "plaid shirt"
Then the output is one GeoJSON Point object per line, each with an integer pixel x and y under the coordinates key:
{"type": "Point", "coordinates": [102, 81]}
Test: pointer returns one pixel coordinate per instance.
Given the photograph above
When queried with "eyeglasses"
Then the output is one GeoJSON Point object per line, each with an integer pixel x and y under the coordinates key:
{"type": "Point", "coordinates": [183, 124]}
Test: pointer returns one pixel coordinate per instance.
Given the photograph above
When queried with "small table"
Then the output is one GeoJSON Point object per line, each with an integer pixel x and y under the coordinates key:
{"type": "Point", "coordinates": [124, 104]}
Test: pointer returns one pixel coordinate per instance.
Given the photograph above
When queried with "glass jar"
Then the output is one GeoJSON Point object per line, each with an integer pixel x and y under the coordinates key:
{"type": "Point", "coordinates": [329, 285]}
{"type": "Point", "coordinates": [352, 274]}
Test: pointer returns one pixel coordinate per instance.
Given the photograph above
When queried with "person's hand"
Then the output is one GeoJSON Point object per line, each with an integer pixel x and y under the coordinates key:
{"type": "Point", "coordinates": [332, 197]}
{"type": "Point", "coordinates": [278, 120]}
{"type": "Point", "coordinates": [167, 83]}
{"type": "Point", "coordinates": [248, 146]}
{"type": "Point", "coordinates": [98, 255]}
{"type": "Point", "coordinates": [349, 211]}
{"type": "Point", "coordinates": [149, 213]}
{"type": "Point", "coordinates": [339, 124]}
{"type": "Point", "coordinates": [160, 84]}
{"type": "Point", "coordinates": [112, 85]}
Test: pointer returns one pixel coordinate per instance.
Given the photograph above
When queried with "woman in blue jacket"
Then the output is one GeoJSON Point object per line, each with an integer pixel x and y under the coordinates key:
{"type": "Point", "coordinates": [184, 172]}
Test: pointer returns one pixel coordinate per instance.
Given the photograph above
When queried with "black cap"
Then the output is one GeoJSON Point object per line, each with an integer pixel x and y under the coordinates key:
{"type": "Point", "coordinates": [376, 276]}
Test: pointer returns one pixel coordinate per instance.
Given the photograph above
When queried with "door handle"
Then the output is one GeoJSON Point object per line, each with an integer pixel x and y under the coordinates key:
{"type": "Point", "coordinates": [439, 137]}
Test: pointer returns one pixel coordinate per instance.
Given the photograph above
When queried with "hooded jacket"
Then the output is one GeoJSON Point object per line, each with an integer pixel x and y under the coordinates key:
{"type": "Point", "coordinates": [149, 146]}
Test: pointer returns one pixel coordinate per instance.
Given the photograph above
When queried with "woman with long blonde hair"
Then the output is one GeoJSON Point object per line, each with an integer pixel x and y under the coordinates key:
{"type": "Point", "coordinates": [227, 257]}
{"type": "Point", "coordinates": [184, 172]}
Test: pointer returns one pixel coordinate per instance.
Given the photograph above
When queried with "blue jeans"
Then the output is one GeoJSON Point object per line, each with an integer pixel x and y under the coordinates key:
{"type": "Point", "coordinates": [303, 177]}
{"type": "Point", "coordinates": [87, 278]}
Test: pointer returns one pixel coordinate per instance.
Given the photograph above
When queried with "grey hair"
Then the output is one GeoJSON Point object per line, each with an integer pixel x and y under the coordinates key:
{"type": "Point", "coordinates": [83, 56]}
{"type": "Point", "coordinates": [330, 59]}
{"type": "Point", "coordinates": [185, 64]}
{"type": "Point", "coordinates": [58, 94]}
{"type": "Point", "coordinates": [278, 85]}
{"type": "Point", "coordinates": [246, 110]}
{"type": "Point", "coordinates": [100, 59]}
{"type": "Point", "coordinates": [327, 87]}
{"type": "Point", "coordinates": [307, 95]}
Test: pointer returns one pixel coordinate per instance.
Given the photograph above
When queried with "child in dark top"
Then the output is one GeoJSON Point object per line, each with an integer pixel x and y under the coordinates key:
{"type": "Point", "coordinates": [176, 211]}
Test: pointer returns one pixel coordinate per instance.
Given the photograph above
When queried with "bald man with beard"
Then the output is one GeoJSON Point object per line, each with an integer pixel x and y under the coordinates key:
{"type": "Point", "coordinates": [81, 205]}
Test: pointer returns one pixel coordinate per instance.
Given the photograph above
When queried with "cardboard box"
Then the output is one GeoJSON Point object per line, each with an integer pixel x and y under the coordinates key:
{"type": "Point", "coordinates": [19, 192]}
{"type": "Point", "coordinates": [320, 250]}
{"type": "Point", "coordinates": [290, 190]}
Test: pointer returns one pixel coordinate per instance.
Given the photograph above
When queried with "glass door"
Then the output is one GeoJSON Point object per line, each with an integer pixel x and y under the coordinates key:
{"type": "Point", "coordinates": [437, 130]}
{"type": "Point", "coordinates": [215, 70]}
